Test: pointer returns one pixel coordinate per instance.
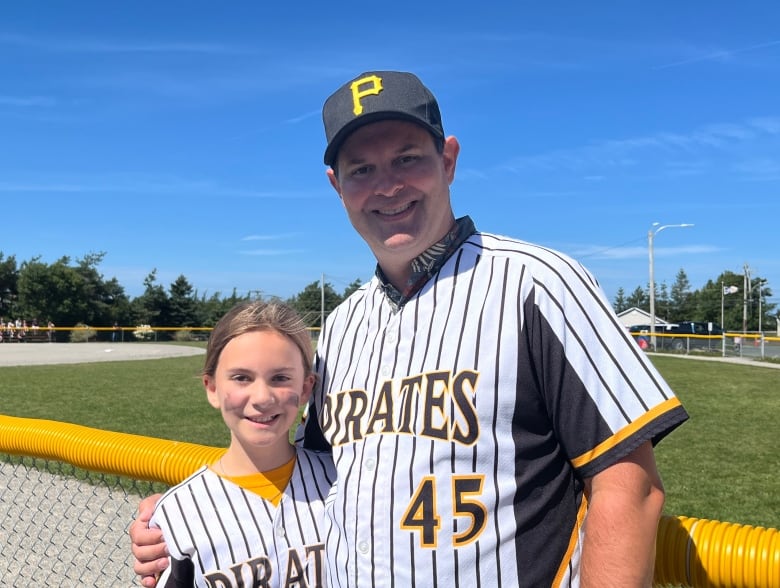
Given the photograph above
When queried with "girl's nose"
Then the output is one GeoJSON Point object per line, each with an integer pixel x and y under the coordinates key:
{"type": "Point", "coordinates": [262, 395]}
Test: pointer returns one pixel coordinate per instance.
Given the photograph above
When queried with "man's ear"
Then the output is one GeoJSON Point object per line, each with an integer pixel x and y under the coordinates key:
{"type": "Point", "coordinates": [450, 156]}
{"type": "Point", "coordinates": [334, 181]}
{"type": "Point", "coordinates": [211, 391]}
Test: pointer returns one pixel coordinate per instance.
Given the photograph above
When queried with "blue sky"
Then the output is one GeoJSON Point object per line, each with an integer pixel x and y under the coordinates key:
{"type": "Point", "coordinates": [186, 136]}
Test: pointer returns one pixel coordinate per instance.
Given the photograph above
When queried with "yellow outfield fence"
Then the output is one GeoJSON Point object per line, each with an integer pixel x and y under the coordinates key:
{"type": "Point", "coordinates": [68, 493]}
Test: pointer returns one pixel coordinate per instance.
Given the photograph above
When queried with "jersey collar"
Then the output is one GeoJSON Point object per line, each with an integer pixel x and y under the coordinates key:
{"type": "Point", "coordinates": [425, 266]}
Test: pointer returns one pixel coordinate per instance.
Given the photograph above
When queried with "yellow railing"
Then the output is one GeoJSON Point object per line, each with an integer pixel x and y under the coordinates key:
{"type": "Point", "coordinates": [120, 333]}
{"type": "Point", "coordinates": [703, 554]}
{"type": "Point", "coordinates": [123, 454]}
{"type": "Point", "coordinates": [728, 335]}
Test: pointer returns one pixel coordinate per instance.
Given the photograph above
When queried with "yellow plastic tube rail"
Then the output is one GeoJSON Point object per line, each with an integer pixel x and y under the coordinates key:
{"type": "Point", "coordinates": [703, 553]}
{"type": "Point", "coordinates": [134, 456]}
{"type": "Point", "coordinates": [689, 552]}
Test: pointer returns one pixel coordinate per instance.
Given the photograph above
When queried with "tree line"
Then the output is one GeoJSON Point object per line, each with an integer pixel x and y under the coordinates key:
{"type": "Point", "coordinates": [69, 292]}
{"type": "Point", "coordinates": [725, 293]}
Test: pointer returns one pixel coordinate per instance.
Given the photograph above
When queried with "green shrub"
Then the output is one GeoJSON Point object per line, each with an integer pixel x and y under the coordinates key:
{"type": "Point", "coordinates": [183, 335]}
{"type": "Point", "coordinates": [82, 333]}
{"type": "Point", "coordinates": [143, 333]}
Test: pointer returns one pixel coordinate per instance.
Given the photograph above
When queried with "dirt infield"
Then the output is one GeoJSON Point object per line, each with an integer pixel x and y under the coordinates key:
{"type": "Point", "coordinates": [15, 354]}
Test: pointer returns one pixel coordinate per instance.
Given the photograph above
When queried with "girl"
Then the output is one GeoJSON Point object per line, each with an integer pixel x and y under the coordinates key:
{"type": "Point", "coordinates": [253, 517]}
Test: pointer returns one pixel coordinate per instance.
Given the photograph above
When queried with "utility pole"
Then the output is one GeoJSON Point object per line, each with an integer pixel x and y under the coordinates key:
{"type": "Point", "coordinates": [722, 321]}
{"type": "Point", "coordinates": [322, 302]}
{"type": "Point", "coordinates": [745, 292]}
{"type": "Point", "coordinates": [760, 313]}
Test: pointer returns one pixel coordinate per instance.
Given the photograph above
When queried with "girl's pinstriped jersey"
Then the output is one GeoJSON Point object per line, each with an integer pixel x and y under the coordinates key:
{"type": "Point", "coordinates": [235, 538]}
{"type": "Point", "coordinates": [464, 422]}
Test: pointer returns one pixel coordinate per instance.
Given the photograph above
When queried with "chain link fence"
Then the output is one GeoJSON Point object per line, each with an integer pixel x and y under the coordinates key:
{"type": "Point", "coordinates": [61, 526]}
{"type": "Point", "coordinates": [748, 345]}
{"type": "Point", "coordinates": [69, 493]}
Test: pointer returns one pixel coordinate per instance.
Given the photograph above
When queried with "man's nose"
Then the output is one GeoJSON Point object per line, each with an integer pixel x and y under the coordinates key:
{"type": "Point", "coordinates": [388, 182]}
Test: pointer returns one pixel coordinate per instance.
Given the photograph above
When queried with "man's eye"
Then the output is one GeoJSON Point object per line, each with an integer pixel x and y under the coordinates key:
{"type": "Point", "coordinates": [407, 159]}
{"type": "Point", "coordinates": [360, 171]}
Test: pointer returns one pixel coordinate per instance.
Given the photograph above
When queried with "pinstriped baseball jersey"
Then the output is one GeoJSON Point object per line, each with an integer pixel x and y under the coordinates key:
{"type": "Point", "coordinates": [235, 538]}
{"type": "Point", "coordinates": [463, 422]}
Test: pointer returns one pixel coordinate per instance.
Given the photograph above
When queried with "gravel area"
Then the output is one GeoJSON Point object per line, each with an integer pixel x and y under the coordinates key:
{"type": "Point", "coordinates": [12, 354]}
{"type": "Point", "coordinates": [58, 530]}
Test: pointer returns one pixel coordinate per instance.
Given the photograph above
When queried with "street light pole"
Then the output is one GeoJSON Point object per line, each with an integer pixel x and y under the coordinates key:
{"type": "Point", "coordinates": [654, 230]}
{"type": "Point", "coordinates": [722, 322]}
{"type": "Point", "coordinates": [761, 282]}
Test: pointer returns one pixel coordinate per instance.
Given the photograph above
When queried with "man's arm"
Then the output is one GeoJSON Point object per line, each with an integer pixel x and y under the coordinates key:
{"type": "Point", "coordinates": [625, 504]}
{"type": "Point", "coordinates": [148, 546]}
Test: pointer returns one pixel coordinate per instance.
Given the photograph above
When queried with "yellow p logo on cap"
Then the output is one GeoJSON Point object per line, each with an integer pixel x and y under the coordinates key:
{"type": "Point", "coordinates": [373, 87]}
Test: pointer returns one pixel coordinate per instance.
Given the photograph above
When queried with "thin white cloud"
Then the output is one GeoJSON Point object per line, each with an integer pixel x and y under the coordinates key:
{"type": "Point", "coordinates": [551, 194]}
{"type": "Point", "coordinates": [54, 187]}
{"type": "Point", "coordinates": [270, 237]}
{"type": "Point", "coordinates": [271, 252]}
{"type": "Point", "coordinates": [76, 45]}
{"type": "Point", "coordinates": [723, 55]}
{"type": "Point", "coordinates": [639, 251]}
{"type": "Point", "coordinates": [27, 101]}
{"type": "Point", "coordinates": [759, 169]}
{"type": "Point", "coordinates": [679, 169]}
{"type": "Point", "coordinates": [627, 152]}
{"type": "Point", "coordinates": [767, 124]}
{"type": "Point", "coordinates": [173, 187]}
{"type": "Point", "coordinates": [496, 37]}
{"type": "Point", "coordinates": [470, 173]}
{"type": "Point", "coordinates": [303, 117]}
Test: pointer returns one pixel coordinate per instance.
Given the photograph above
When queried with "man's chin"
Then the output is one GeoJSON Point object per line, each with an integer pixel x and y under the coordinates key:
{"type": "Point", "coordinates": [405, 244]}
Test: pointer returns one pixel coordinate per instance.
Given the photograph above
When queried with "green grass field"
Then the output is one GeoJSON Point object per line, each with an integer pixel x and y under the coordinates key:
{"type": "Point", "coordinates": [720, 465]}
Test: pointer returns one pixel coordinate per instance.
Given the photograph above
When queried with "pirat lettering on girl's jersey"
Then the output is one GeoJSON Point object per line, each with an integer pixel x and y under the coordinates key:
{"type": "Point", "coordinates": [437, 405]}
{"type": "Point", "coordinates": [258, 572]}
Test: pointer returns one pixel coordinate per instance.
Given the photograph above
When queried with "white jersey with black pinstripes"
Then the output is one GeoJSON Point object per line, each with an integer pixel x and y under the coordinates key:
{"type": "Point", "coordinates": [235, 538]}
{"type": "Point", "coordinates": [463, 422]}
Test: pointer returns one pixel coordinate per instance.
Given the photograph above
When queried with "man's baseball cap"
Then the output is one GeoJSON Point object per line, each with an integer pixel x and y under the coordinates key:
{"type": "Point", "coordinates": [375, 96]}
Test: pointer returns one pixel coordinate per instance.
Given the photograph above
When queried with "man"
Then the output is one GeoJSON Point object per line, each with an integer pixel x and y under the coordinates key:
{"type": "Point", "coordinates": [491, 422]}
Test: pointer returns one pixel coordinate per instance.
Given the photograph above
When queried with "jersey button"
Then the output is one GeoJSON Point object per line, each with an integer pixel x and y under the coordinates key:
{"type": "Point", "coordinates": [280, 532]}
{"type": "Point", "coordinates": [391, 338]}
{"type": "Point", "coordinates": [385, 370]}
{"type": "Point", "coordinates": [363, 547]}
{"type": "Point", "coordinates": [370, 463]}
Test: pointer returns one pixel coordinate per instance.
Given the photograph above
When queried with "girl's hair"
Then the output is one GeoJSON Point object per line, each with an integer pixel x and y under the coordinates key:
{"type": "Point", "coordinates": [257, 315]}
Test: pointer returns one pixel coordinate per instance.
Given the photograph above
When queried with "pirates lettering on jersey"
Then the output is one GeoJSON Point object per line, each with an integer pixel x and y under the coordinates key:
{"type": "Point", "coordinates": [368, 86]}
{"type": "Point", "coordinates": [436, 405]}
{"type": "Point", "coordinates": [258, 572]}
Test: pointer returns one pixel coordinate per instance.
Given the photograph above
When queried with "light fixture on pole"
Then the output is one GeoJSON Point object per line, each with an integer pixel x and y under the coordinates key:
{"type": "Point", "coordinates": [654, 230]}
